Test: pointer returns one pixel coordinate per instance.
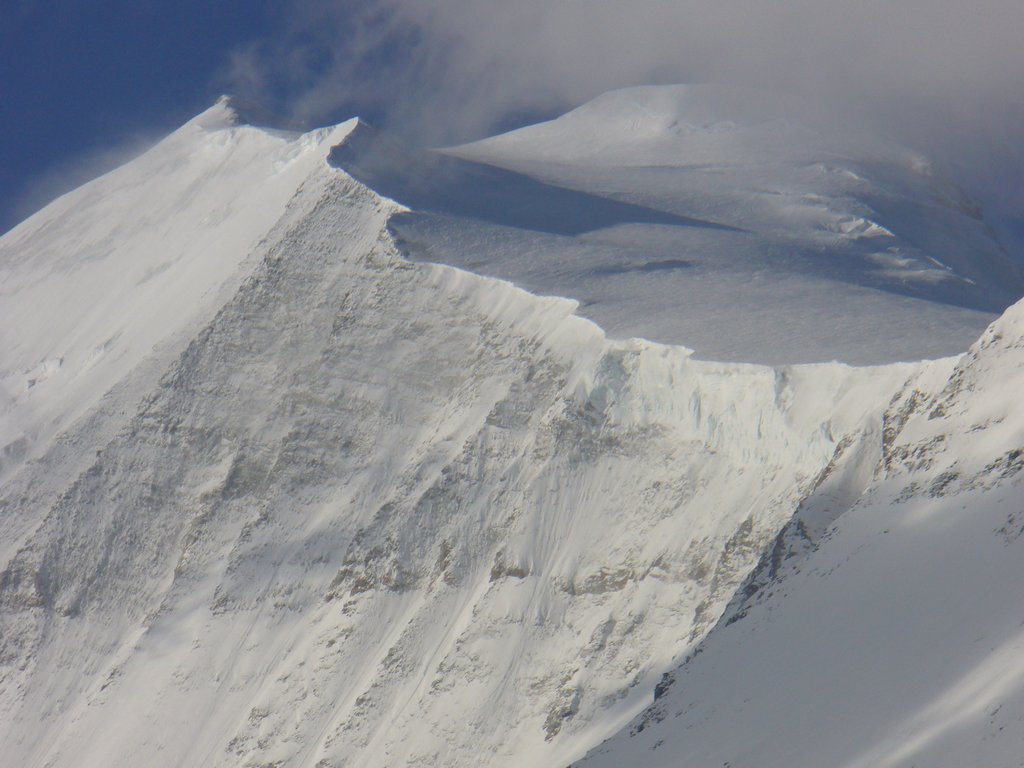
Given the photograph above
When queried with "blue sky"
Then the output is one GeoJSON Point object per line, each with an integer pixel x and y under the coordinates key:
{"type": "Point", "coordinates": [84, 81]}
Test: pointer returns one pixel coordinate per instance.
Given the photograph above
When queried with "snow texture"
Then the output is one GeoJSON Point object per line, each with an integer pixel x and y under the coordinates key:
{"type": "Point", "coordinates": [897, 640]}
{"type": "Point", "coordinates": [274, 494]}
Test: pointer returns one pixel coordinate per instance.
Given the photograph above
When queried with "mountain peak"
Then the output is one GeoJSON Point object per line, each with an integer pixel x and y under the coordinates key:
{"type": "Point", "coordinates": [229, 110]}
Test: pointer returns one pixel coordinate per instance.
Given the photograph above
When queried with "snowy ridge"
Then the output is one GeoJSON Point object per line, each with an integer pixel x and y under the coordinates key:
{"type": "Point", "coordinates": [374, 507]}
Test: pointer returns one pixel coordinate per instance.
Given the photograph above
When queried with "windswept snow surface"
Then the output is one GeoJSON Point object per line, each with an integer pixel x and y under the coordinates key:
{"type": "Point", "coordinates": [276, 495]}
{"type": "Point", "coordinates": [748, 236]}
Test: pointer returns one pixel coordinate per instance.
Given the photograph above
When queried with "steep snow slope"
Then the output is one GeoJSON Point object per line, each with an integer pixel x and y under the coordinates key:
{"type": "Point", "coordinates": [777, 242]}
{"type": "Point", "coordinates": [898, 641]}
{"type": "Point", "coordinates": [357, 510]}
{"type": "Point", "coordinates": [134, 262]}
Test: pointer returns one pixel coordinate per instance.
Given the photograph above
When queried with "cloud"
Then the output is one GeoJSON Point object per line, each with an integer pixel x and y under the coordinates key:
{"type": "Point", "coordinates": [474, 61]}
{"type": "Point", "coordinates": [72, 172]}
{"type": "Point", "coordinates": [941, 75]}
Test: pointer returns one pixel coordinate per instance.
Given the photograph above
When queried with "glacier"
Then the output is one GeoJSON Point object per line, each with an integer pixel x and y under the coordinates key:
{"type": "Point", "coordinates": [287, 481]}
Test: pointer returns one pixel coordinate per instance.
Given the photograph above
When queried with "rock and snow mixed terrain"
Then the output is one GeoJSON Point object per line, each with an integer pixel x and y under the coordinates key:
{"type": "Point", "coordinates": [899, 640]}
{"type": "Point", "coordinates": [279, 489]}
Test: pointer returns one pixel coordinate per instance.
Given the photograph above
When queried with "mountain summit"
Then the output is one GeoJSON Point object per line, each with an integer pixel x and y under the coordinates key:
{"type": "Point", "coordinates": [291, 478]}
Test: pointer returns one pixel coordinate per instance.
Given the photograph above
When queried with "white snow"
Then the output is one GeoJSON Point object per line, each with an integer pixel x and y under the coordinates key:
{"type": "Point", "coordinates": [274, 494]}
{"type": "Point", "coordinates": [788, 243]}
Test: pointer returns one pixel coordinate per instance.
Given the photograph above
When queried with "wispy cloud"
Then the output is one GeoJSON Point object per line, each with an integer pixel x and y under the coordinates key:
{"type": "Point", "coordinates": [71, 172]}
{"type": "Point", "coordinates": [465, 63]}
{"type": "Point", "coordinates": [942, 75]}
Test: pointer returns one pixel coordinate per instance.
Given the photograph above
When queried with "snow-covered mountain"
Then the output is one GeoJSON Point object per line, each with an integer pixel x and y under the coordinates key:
{"type": "Point", "coordinates": [282, 488]}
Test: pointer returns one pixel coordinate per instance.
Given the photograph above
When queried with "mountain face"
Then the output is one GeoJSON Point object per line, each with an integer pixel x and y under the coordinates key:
{"type": "Point", "coordinates": [279, 491]}
{"type": "Point", "coordinates": [898, 640]}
